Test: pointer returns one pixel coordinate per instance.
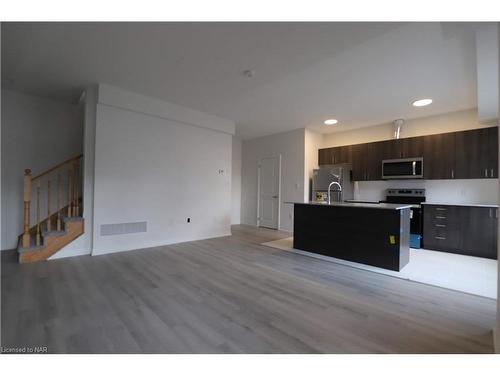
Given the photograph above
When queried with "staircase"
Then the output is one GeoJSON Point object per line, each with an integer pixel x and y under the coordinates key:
{"type": "Point", "coordinates": [62, 222]}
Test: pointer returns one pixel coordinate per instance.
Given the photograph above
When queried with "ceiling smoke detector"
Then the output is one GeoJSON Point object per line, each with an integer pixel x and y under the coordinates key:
{"type": "Point", "coordinates": [249, 73]}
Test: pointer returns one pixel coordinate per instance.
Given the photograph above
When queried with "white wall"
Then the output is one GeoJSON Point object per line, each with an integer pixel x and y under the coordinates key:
{"type": "Point", "coordinates": [83, 244]}
{"type": "Point", "coordinates": [37, 133]}
{"type": "Point", "coordinates": [442, 191]}
{"type": "Point", "coordinates": [236, 182]}
{"type": "Point", "coordinates": [487, 71]}
{"type": "Point", "coordinates": [290, 145]}
{"type": "Point", "coordinates": [162, 171]}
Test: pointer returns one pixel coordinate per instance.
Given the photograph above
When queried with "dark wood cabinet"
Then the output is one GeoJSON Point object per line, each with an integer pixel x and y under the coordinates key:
{"type": "Point", "coordinates": [439, 156]}
{"type": "Point", "coordinates": [324, 156]}
{"type": "Point", "coordinates": [366, 159]}
{"type": "Point", "coordinates": [493, 151]}
{"type": "Point", "coordinates": [341, 154]}
{"type": "Point", "coordinates": [465, 154]}
{"type": "Point", "coordinates": [374, 157]}
{"type": "Point", "coordinates": [334, 155]}
{"type": "Point", "coordinates": [466, 230]}
{"type": "Point", "coordinates": [471, 155]}
{"type": "Point", "coordinates": [359, 161]}
{"type": "Point", "coordinates": [412, 147]}
{"type": "Point", "coordinates": [480, 227]}
{"type": "Point", "coordinates": [392, 149]}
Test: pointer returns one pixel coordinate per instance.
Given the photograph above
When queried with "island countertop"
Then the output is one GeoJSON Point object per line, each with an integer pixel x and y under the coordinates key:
{"type": "Point", "coordinates": [384, 206]}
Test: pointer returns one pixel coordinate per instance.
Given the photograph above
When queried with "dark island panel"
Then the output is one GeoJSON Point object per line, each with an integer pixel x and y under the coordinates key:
{"type": "Point", "coordinates": [376, 237]}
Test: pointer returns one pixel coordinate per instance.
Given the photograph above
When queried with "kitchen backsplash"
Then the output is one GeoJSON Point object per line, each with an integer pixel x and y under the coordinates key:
{"type": "Point", "coordinates": [483, 191]}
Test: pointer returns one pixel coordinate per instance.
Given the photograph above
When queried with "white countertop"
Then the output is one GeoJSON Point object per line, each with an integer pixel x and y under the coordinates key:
{"type": "Point", "coordinates": [384, 206]}
{"type": "Point", "coordinates": [462, 204]}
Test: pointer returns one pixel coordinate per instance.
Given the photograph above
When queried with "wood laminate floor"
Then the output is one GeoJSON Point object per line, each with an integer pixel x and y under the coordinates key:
{"type": "Point", "coordinates": [232, 295]}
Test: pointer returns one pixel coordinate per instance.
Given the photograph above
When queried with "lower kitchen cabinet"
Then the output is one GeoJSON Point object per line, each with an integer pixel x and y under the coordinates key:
{"type": "Point", "coordinates": [466, 230]}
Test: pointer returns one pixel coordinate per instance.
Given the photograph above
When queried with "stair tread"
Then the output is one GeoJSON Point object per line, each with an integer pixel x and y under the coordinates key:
{"type": "Point", "coordinates": [52, 233]}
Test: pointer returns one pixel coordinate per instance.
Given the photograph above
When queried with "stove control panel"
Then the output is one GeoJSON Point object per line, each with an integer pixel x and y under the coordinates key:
{"type": "Point", "coordinates": [406, 193]}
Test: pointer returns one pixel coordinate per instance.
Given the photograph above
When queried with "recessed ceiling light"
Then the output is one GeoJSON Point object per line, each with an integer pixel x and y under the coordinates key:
{"type": "Point", "coordinates": [421, 102]}
{"type": "Point", "coordinates": [330, 121]}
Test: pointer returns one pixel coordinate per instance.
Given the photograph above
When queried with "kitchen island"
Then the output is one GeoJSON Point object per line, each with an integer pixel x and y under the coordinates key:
{"type": "Point", "coordinates": [373, 234]}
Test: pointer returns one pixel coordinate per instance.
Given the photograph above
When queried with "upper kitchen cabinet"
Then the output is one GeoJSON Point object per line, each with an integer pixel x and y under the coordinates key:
{"type": "Point", "coordinates": [325, 156]}
{"type": "Point", "coordinates": [403, 148]}
{"type": "Point", "coordinates": [334, 155]}
{"type": "Point", "coordinates": [341, 154]}
{"type": "Point", "coordinates": [471, 155]}
{"type": "Point", "coordinates": [493, 151]}
{"type": "Point", "coordinates": [374, 156]}
{"type": "Point", "coordinates": [465, 154]}
{"type": "Point", "coordinates": [412, 147]}
{"type": "Point", "coordinates": [359, 161]}
{"type": "Point", "coordinates": [392, 149]}
{"type": "Point", "coordinates": [439, 156]}
{"type": "Point", "coordinates": [476, 153]}
{"type": "Point", "coordinates": [366, 161]}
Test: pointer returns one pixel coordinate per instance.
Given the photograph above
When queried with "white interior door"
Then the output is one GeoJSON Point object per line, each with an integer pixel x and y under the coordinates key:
{"type": "Point", "coordinates": [269, 192]}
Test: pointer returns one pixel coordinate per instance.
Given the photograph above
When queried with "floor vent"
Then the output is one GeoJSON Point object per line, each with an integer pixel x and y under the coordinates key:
{"type": "Point", "coordinates": [123, 228]}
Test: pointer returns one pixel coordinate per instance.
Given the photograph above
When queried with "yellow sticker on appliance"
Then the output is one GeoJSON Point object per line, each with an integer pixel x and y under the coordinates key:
{"type": "Point", "coordinates": [392, 239]}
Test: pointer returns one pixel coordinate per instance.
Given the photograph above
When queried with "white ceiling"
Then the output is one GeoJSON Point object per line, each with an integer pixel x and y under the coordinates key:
{"type": "Point", "coordinates": [360, 73]}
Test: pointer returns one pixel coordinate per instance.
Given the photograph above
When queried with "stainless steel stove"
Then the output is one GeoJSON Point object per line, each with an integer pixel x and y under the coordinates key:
{"type": "Point", "coordinates": [414, 197]}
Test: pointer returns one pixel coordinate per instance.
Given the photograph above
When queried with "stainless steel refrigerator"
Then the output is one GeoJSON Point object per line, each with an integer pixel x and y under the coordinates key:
{"type": "Point", "coordinates": [324, 175]}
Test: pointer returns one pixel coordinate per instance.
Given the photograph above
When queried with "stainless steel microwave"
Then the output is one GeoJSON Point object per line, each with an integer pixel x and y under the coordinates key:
{"type": "Point", "coordinates": [403, 168]}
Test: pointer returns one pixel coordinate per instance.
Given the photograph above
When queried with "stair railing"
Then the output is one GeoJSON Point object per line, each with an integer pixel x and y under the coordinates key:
{"type": "Point", "coordinates": [68, 172]}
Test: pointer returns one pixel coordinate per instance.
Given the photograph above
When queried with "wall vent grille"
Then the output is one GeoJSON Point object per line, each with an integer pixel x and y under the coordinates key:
{"type": "Point", "coordinates": [123, 228]}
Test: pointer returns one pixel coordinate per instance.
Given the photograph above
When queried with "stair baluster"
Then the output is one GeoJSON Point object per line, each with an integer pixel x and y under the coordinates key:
{"type": "Point", "coordinates": [49, 224]}
{"type": "Point", "coordinates": [76, 191]}
{"type": "Point", "coordinates": [27, 201]}
{"type": "Point", "coordinates": [58, 225]}
{"type": "Point", "coordinates": [70, 200]}
{"type": "Point", "coordinates": [37, 238]}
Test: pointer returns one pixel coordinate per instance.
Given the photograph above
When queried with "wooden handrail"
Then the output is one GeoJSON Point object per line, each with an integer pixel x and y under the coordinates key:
{"type": "Point", "coordinates": [56, 167]}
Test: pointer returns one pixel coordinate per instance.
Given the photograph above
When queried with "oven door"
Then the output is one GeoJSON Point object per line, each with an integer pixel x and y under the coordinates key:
{"type": "Point", "coordinates": [403, 168]}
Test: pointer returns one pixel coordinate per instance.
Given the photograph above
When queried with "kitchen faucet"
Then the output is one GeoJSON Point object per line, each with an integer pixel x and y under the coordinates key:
{"type": "Point", "coordinates": [330, 186]}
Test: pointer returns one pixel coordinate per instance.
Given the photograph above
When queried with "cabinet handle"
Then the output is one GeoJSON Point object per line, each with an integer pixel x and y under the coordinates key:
{"type": "Point", "coordinates": [452, 173]}
{"type": "Point", "coordinates": [440, 238]}
{"type": "Point", "coordinates": [440, 209]}
{"type": "Point", "coordinates": [440, 217]}
{"type": "Point", "coordinates": [441, 225]}
{"type": "Point", "coordinates": [491, 172]}
{"type": "Point", "coordinates": [485, 172]}
{"type": "Point", "coordinates": [490, 213]}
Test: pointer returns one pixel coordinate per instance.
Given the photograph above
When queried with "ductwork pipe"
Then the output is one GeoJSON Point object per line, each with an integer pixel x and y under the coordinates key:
{"type": "Point", "coordinates": [397, 128]}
